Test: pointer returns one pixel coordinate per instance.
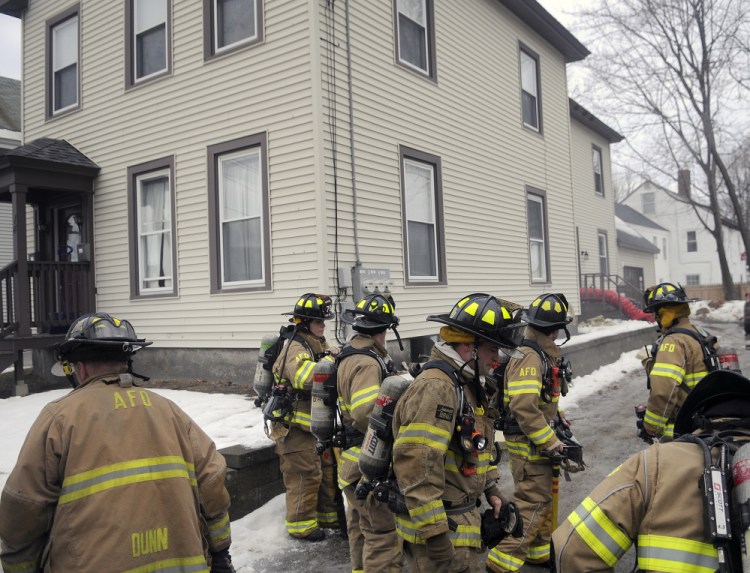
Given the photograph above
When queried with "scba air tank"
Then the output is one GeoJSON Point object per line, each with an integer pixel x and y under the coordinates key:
{"type": "Point", "coordinates": [728, 359]}
{"type": "Point", "coordinates": [741, 480]}
{"type": "Point", "coordinates": [323, 406]}
{"type": "Point", "coordinates": [263, 381]}
{"type": "Point", "coordinates": [375, 456]}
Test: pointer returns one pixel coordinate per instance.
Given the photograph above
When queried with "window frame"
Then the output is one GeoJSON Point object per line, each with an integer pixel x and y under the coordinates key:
{"type": "Point", "coordinates": [210, 36]}
{"type": "Point", "coordinates": [598, 178]}
{"type": "Point", "coordinates": [692, 242]}
{"type": "Point", "coordinates": [531, 54]}
{"type": "Point", "coordinates": [434, 162]}
{"type": "Point", "coordinates": [430, 57]}
{"type": "Point", "coordinates": [213, 153]}
{"type": "Point", "coordinates": [689, 279]}
{"type": "Point", "coordinates": [131, 81]}
{"type": "Point", "coordinates": [651, 202]}
{"type": "Point", "coordinates": [602, 234]}
{"type": "Point", "coordinates": [136, 173]}
{"type": "Point", "coordinates": [538, 195]}
{"type": "Point", "coordinates": [61, 18]}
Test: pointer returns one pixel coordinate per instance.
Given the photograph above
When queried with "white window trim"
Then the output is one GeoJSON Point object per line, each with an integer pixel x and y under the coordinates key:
{"type": "Point", "coordinates": [601, 238]}
{"type": "Point", "coordinates": [694, 241]}
{"type": "Point", "coordinates": [58, 26]}
{"type": "Point", "coordinates": [598, 161]}
{"type": "Point", "coordinates": [426, 71]}
{"type": "Point", "coordinates": [234, 45]}
{"type": "Point", "coordinates": [436, 245]}
{"type": "Point", "coordinates": [220, 158]}
{"type": "Point", "coordinates": [533, 197]}
{"type": "Point", "coordinates": [534, 60]}
{"type": "Point", "coordinates": [142, 279]}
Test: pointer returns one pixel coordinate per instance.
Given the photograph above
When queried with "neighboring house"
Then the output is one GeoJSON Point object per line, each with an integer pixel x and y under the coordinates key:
{"type": "Point", "coordinates": [229, 156]}
{"type": "Point", "coordinates": [593, 197]}
{"type": "Point", "coordinates": [690, 254]}
{"type": "Point", "coordinates": [637, 240]}
{"type": "Point", "coordinates": [10, 136]}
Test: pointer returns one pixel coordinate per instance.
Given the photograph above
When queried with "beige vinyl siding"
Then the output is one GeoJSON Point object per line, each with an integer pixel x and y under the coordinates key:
{"type": "Point", "coordinates": [6, 234]}
{"type": "Point", "coordinates": [471, 120]}
{"type": "Point", "coordinates": [592, 212]}
{"type": "Point", "coordinates": [266, 88]}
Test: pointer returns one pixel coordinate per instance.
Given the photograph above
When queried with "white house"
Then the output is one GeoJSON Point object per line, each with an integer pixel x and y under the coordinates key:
{"type": "Point", "coordinates": [688, 250]}
{"type": "Point", "coordinates": [637, 242]}
{"type": "Point", "coordinates": [223, 162]}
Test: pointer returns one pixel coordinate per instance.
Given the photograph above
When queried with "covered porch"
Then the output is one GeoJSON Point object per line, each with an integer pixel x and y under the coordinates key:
{"type": "Point", "coordinates": [50, 280]}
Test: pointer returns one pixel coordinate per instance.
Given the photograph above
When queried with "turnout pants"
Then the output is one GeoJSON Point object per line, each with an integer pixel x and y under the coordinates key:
{"type": "Point", "coordinates": [309, 483]}
{"type": "Point", "coordinates": [533, 496]}
{"type": "Point", "coordinates": [374, 545]}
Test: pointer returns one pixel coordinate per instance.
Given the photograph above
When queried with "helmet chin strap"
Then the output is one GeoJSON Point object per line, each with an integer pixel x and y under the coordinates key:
{"type": "Point", "coordinates": [400, 344]}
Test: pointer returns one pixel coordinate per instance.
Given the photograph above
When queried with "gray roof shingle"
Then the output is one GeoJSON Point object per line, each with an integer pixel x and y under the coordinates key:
{"type": "Point", "coordinates": [630, 215]}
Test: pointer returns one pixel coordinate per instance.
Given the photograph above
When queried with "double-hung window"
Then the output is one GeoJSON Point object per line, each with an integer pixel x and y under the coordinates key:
{"type": "Point", "coordinates": [530, 89]}
{"type": "Point", "coordinates": [415, 35]}
{"type": "Point", "coordinates": [149, 39]}
{"type": "Point", "coordinates": [231, 24]}
{"type": "Point", "coordinates": [536, 213]}
{"type": "Point", "coordinates": [153, 249]}
{"type": "Point", "coordinates": [649, 205]}
{"type": "Point", "coordinates": [692, 242]}
{"type": "Point", "coordinates": [596, 153]}
{"type": "Point", "coordinates": [603, 252]}
{"type": "Point", "coordinates": [63, 58]}
{"type": "Point", "coordinates": [239, 214]}
{"type": "Point", "coordinates": [424, 247]}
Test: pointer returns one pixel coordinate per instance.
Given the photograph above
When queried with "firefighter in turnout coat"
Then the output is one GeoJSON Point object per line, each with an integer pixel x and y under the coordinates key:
{"type": "Point", "coordinates": [113, 477]}
{"type": "Point", "coordinates": [654, 499]}
{"type": "Point", "coordinates": [374, 546]}
{"type": "Point", "coordinates": [309, 479]}
{"type": "Point", "coordinates": [531, 400]}
{"type": "Point", "coordinates": [441, 430]}
{"type": "Point", "coordinates": [678, 362]}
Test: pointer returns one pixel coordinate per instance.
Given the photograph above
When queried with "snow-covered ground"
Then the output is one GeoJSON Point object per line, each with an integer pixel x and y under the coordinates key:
{"type": "Point", "coordinates": [234, 420]}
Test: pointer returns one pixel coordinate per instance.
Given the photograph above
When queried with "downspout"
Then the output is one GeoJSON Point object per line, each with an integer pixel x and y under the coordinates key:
{"type": "Point", "coordinates": [357, 261]}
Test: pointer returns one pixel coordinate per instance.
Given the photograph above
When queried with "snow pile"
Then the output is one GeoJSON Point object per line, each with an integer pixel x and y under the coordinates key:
{"type": "Point", "coordinates": [730, 311]}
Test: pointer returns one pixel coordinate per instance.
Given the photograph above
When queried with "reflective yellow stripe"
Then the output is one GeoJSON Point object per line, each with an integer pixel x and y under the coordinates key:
{"type": "Point", "coordinates": [300, 527]}
{"type": "Point", "coordinates": [599, 532]}
{"type": "Point", "coordinates": [482, 463]}
{"type": "Point", "coordinates": [541, 436]}
{"type": "Point", "coordinates": [81, 485]}
{"type": "Point", "coordinates": [220, 530]}
{"type": "Point", "coordinates": [424, 434]}
{"type": "Point", "coordinates": [539, 552]}
{"type": "Point", "coordinates": [301, 418]}
{"type": "Point", "coordinates": [672, 371]}
{"type": "Point", "coordinates": [518, 387]}
{"type": "Point", "coordinates": [327, 517]}
{"type": "Point", "coordinates": [176, 565]}
{"type": "Point", "coordinates": [692, 379]}
{"type": "Point", "coordinates": [675, 555]}
{"type": "Point", "coordinates": [428, 514]}
{"type": "Point", "coordinates": [654, 419]}
{"type": "Point", "coordinates": [303, 374]}
{"type": "Point", "coordinates": [23, 567]}
{"type": "Point", "coordinates": [406, 529]}
{"type": "Point", "coordinates": [365, 396]}
{"type": "Point", "coordinates": [504, 560]}
{"type": "Point", "coordinates": [466, 536]}
{"type": "Point", "coordinates": [524, 450]}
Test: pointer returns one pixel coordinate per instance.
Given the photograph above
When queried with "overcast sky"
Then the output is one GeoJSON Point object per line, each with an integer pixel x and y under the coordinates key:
{"type": "Point", "coordinates": [10, 34]}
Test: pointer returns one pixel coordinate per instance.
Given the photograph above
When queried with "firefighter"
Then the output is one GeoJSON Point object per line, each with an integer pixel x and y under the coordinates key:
{"type": "Point", "coordinates": [374, 546]}
{"type": "Point", "coordinates": [441, 458]}
{"type": "Point", "coordinates": [113, 477]}
{"type": "Point", "coordinates": [655, 500]}
{"type": "Point", "coordinates": [308, 477]}
{"type": "Point", "coordinates": [678, 363]}
{"type": "Point", "coordinates": [530, 397]}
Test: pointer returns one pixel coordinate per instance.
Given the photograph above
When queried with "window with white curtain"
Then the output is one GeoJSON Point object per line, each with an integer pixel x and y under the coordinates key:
{"type": "Point", "coordinates": [603, 253]}
{"type": "Point", "coordinates": [414, 32]}
{"type": "Point", "coordinates": [241, 221]}
{"type": "Point", "coordinates": [537, 230]}
{"type": "Point", "coordinates": [235, 23]}
{"type": "Point", "coordinates": [239, 234]}
{"type": "Point", "coordinates": [424, 242]}
{"type": "Point", "coordinates": [63, 63]}
{"type": "Point", "coordinates": [154, 232]}
{"type": "Point", "coordinates": [150, 38]}
{"type": "Point", "coordinates": [151, 212]}
{"type": "Point", "coordinates": [530, 89]}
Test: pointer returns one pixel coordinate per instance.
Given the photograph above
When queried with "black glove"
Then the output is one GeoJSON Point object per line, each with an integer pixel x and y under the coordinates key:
{"type": "Point", "coordinates": [440, 547]}
{"type": "Point", "coordinates": [221, 562]}
{"type": "Point", "coordinates": [509, 523]}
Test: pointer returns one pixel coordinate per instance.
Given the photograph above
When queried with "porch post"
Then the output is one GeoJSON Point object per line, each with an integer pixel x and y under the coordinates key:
{"type": "Point", "coordinates": [22, 298]}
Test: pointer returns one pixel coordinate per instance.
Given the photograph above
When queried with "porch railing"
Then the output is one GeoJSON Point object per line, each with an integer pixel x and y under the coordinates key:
{"type": "Point", "coordinates": [59, 292]}
{"type": "Point", "coordinates": [602, 283]}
